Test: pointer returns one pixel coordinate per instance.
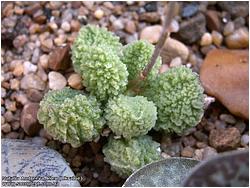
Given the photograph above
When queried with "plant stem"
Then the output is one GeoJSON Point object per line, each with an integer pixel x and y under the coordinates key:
{"type": "Point", "coordinates": [170, 13]}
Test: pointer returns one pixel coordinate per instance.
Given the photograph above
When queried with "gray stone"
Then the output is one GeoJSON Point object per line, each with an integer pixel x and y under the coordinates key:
{"type": "Point", "coordinates": [23, 158]}
{"type": "Point", "coordinates": [192, 29]}
{"type": "Point", "coordinates": [236, 8]}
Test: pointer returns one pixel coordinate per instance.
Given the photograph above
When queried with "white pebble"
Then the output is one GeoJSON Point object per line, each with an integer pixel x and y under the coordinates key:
{"type": "Point", "coordinates": [65, 26]}
{"type": "Point", "coordinates": [206, 39]}
{"type": "Point", "coordinates": [28, 67]}
{"type": "Point", "coordinates": [56, 81]}
{"type": "Point", "coordinates": [174, 27]}
{"type": "Point", "coordinates": [244, 140]}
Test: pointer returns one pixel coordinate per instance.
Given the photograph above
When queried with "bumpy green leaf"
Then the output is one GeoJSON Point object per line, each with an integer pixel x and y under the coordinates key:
{"type": "Point", "coordinates": [179, 99]}
{"type": "Point", "coordinates": [96, 56]}
{"type": "Point", "coordinates": [136, 56]}
{"type": "Point", "coordinates": [130, 116]}
{"type": "Point", "coordinates": [70, 116]}
{"type": "Point", "coordinates": [126, 156]}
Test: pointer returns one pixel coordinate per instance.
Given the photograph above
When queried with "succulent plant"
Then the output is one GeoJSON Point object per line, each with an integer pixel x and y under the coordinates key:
{"type": "Point", "coordinates": [70, 116]}
{"type": "Point", "coordinates": [126, 156]}
{"type": "Point", "coordinates": [95, 55]}
{"type": "Point", "coordinates": [130, 116]}
{"type": "Point", "coordinates": [179, 99]}
{"type": "Point", "coordinates": [136, 56]}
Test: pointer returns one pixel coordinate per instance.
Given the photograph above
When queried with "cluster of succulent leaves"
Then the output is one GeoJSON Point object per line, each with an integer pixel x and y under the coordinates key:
{"type": "Point", "coordinates": [171, 101]}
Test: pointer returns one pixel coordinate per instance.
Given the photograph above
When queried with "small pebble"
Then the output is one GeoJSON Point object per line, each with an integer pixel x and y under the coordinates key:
{"type": "Point", "coordinates": [241, 126]}
{"type": "Point", "coordinates": [198, 154]}
{"type": "Point", "coordinates": [209, 152]}
{"type": "Point", "coordinates": [244, 140]}
{"type": "Point", "coordinates": [228, 118]}
{"type": "Point", "coordinates": [118, 24]}
{"type": "Point", "coordinates": [76, 162]}
{"type": "Point", "coordinates": [10, 105]}
{"type": "Point", "coordinates": [44, 61]}
{"type": "Point", "coordinates": [176, 62]}
{"type": "Point", "coordinates": [206, 39]}
{"type": "Point", "coordinates": [228, 29]}
{"type": "Point", "coordinates": [56, 80]}
{"type": "Point", "coordinates": [220, 124]}
{"type": "Point", "coordinates": [187, 152]}
{"type": "Point", "coordinates": [2, 120]}
{"type": "Point", "coordinates": [99, 14]}
{"type": "Point", "coordinates": [53, 26]}
{"type": "Point", "coordinates": [74, 81]}
{"type": "Point", "coordinates": [151, 33]}
{"type": "Point", "coordinates": [217, 38]}
{"type": "Point", "coordinates": [5, 128]}
{"type": "Point", "coordinates": [174, 27]}
{"type": "Point", "coordinates": [14, 84]}
{"type": "Point", "coordinates": [15, 125]}
{"type": "Point", "coordinates": [28, 67]}
{"type": "Point", "coordinates": [130, 27]}
{"type": "Point", "coordinates": [18, 70]}
{"type": "Point", "coordinates": [12, 135]}
{"type": "Point", "coordinates": [75, 25]}
{"type": "Point", "coordinates": [66, 26]}
{"type": "Point", "coordinates": [238, 39]}
{"type": "Point", "coordinates": [66, 148]}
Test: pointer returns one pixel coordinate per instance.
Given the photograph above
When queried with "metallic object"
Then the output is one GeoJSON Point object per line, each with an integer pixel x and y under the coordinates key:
{"type": "Point", "coordinates": [168, 173]}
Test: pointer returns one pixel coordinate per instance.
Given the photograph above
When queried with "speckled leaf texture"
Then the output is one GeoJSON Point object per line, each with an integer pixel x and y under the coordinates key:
{"type": "Point", "coordinates": [70, 116]}
{"type": "Point", "coordinates": [136, 56]}
{"type": "Point", "coordinates": [179, 98]}
{"type": "Point", "coordinates": [96, 56]}
{"type": "Point", "coordinates": [130, 116]}
{"type": "Point", "coordinates": [126, 156]}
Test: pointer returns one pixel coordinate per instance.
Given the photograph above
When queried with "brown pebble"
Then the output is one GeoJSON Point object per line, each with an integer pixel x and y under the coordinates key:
{"type": "Point", "coordinates": [5, 128]}
{"type": "Point", "coordinates": [12, 135]}
{"type": "Point", "coordinates": [75, 25]}
{"type": "Point", "coordinates": [34, 95]}
{"type": "Point", "coordinates": [224, 139]}
{"type": "Point", "coordinates": [77, 161]}
{"type": "Point", "coordinates": [187, 152]}
{"type": "Point", "coordinates": [66, 148]}
{"type": "Point", "coordinates": [75, 81]}
{"type": "Point", "coordinates": [130, 27]}
{"type": "Point", "coordinates": [213, 20]}
{"type": "Point", "coordinates": [238, 40]}
{"type": "Point", "coordinates": [29, 120]}
{"type": "Point", "coordinates": [217, 38]}
{"type": "Point", "coordinates": [15, 125]}
{"type": "Point", "coordinates": [59, 59]}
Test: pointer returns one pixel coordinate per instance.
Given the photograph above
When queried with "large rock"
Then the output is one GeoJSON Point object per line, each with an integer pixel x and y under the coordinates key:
{"type": "Point", "coordinates": [224, 75]}
{"type": "Point", "coordinates": [25, 159]}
